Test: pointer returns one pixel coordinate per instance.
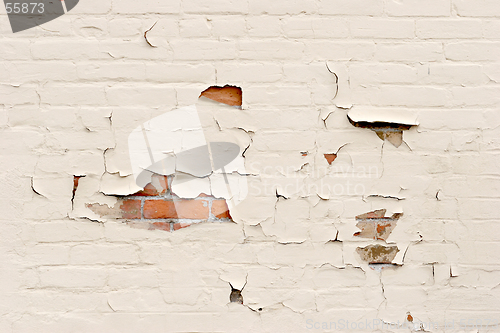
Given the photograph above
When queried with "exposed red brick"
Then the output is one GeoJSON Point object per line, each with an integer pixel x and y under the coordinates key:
{"type": "Point", "coordinates": [192, 209]}
{"type": "Point", "coordinates": [159, 209]}
{"type": "Point", "coordinates": [131, 209]}
{"type": "Point", "coordinates": [181, 225]}
{"type": "Point", "coordinates": [220, 209]}
{"type": "Point", "coordinates": [184, 209]}
{"type": "Point", "coordinates": [330, 158]}
{"type": "Point", "coordinates": [160, 226]}
{"type": "Point", "coordinates": [158, 186]}
{"type": "Point", "coordinates": [228, 95]}
{"type": "Point", "coordinates": [76, 179]}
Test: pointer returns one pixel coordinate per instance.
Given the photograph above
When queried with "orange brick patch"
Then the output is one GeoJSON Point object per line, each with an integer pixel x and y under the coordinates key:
{"type": "Point", "coordinates": [131, 209]}
{"type": "Point", "coordinates": [180, 209]}
{"type": "Point", "coordinates": [229, 95]}
{"type": "Point", "coordinates": [220, 209]}
{"type": "Point", "coordinates": [157, 208]}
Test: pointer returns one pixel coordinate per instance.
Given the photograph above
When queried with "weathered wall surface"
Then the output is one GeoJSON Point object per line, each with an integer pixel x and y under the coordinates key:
{"type": "Point", "coordinates": [370, 168]}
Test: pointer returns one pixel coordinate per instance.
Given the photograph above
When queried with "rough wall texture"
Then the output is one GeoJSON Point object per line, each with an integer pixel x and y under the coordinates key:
{"type": "Point", "coordinates": [371, 149]}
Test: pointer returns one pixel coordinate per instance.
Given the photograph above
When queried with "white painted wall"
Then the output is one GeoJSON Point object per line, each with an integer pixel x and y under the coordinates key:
{"type": "Point", "coordinates": [73, 89]}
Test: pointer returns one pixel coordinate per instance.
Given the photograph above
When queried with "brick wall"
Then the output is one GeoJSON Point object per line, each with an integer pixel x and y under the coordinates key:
{"type": "Point", "coordinates": [371, 158]}
{"type": "Point", "coordinates": [158, 208]}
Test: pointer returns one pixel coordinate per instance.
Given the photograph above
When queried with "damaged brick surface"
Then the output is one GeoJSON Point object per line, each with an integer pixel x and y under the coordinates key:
{"type": "Point", "coordinates": [229, 95]}
{"type": "Point", "coordinates": [355, 175]}
{"type": "Point", "coordinates": [375, 225]}
{"type": "Point", "coordinates": [378, 254]}
{"type": "Point", "coordinates": [391, 132]}
{"type": "Point", "coordinates": [157, 202]}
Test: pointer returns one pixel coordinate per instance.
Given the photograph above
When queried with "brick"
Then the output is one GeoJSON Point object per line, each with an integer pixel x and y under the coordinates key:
{"type": "Point", "coordinates": [351, 7]}
{"type": "Point", "coordinates": [215, 7]}
{"type": "Point", "coordinates": [418, 8]}
{"type": "Point", "coordinates": [220, 209]}
{"type": "Point", "coordinates": [408, 275]}
{"type": "Point", "coordinates": [147, 6]}
{"type": "Point", "coordinates": [158, 186]}
{"type": "Point", "coordinates": [329, 158]}
{"type": "Point", "coordinates": [229, 26]}
{"type": "Point", "coordinates": [163, 209]}
{"type": "Point", "coordinates": [492, 72]}
{"type": "Point", "coordinates": [165, 226]}
{"type": "Point", "coordinates": [65, 49]}
{"type": "Point", "coordinates": [308, 27]}
{"type": "Point", "coordinates": [327, 276]}
{"type": "Point", "coordinates": [74, 94]}
{"type": "Point", "coordinates": [428, 252]}
{"type": "Point", "coordinates": [477, 8]}
{"type": "Point", "coordinates": [140, 95]}
{"type": "Point", "coordinates": [181, 225]}
{"type": "Point", "coordinates": [122, 278]}
{"type": "Point", "coordinates": [382, 28]}
{"type": "Point", "coordinates": [88, 26]}
{"type": "Point", "coordinates": [159, 209]}
{"type": "Point", "coordinates": [24, 94]}
{"type": "Point", "coordinates": [491, 29]}
{"type": "Point", "coordinates": [457, 74]}
{"type": "Point", "coordinates": [275, 49]}
{"type": "Point", "coordinates": [184, 73]}
{"type": "Point", "coordinates": [48, 254]}
{"type": "Point", "coordinates": [263, 26]}
{"type": "Point", "coordinates": [330, 27]}
{"type": "Point", "coordinates": [112, 71]}
{"type": "Point", "coordinates": [229, 95]}
{"type": "Point", "coordinates": [406, 96]}
{"type": "Point", "coordinates": [15, 50]}
{"type": "Point", "coordinates": [310, 73]}
{"type": "Point", "coordinates": [457, 28]}
{"type": "Point", "coordinates": [476, 96]}
{"type": "Point", "coordinates": [131, 209]}
{"type": "Point", "coordinates": [234, 73]}
{"type": "Point", "coordinates": [472, 51]}
{"type": "Point", "coordinates": [378, 73]}
{"type": "Point", "coordinates": [376, 228]}
{"type": "Point", "coordinates": [73, 277]}
{"type": "Point", "coordinates": [340, 51]}
{"type": "Point", "coordinates": [125, 27]}
{"type": "Point", "coordinates": [49, 70]}
{"type": "Point", "coordinates": [274, 96]}
{"type": "Point", "coordinates": [296, 141]}
{"type": "Point", "coordinates": [92, 7]}
{"type": "Point", "coordinates": [281, 7]}
{"type": "Point", "coordinates": [186, 49]}
{"type": "Point", "coordinates": [378, 254]}
{"type": "Point", "coordinates": [127, 49]}
{"type": "Point", "coordinates": [413, 52]}
{"type": "Point", "coordinates": [194, 27]}
{"type": "Point", "coordinates": [67, 231]}
{"type": "Point", "coordinates": [73, 89]}
{"type": "Point", "coordinates": [104, 254]}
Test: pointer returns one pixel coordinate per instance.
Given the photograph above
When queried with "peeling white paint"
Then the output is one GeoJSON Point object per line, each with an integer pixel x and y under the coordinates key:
{"type": "Point", "coordinates": [105, 93]}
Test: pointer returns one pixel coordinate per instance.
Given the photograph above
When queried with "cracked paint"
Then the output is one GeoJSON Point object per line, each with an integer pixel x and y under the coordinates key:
{"type": "Point", "coordinates": [301, 219]}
